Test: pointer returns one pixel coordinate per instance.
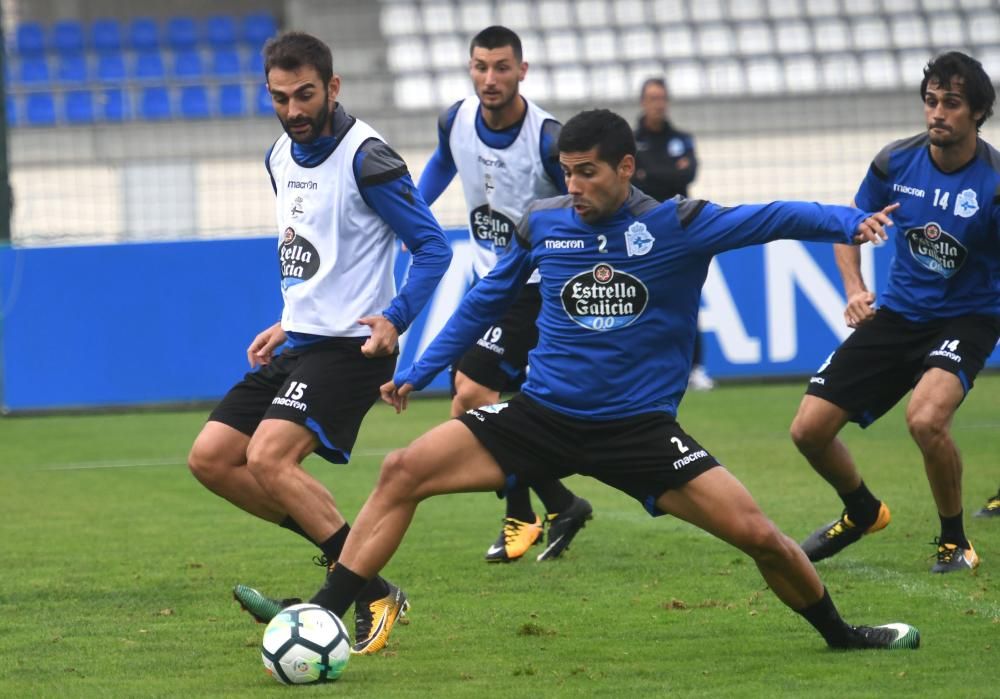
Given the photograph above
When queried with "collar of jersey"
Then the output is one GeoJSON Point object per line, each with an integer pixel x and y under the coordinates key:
{"type": "Point", "coordinates": [501, 138]}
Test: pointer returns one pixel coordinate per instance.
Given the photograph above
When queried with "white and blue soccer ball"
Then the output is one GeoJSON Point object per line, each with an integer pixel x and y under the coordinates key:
{"type": "Point", "coordinates": [304, 644]}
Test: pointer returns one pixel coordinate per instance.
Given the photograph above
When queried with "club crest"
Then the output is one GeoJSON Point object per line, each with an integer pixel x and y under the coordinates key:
{"type": "Point", "coordinates": [638, 240]}
{"type": "Point", "coordinates": [966, 205]}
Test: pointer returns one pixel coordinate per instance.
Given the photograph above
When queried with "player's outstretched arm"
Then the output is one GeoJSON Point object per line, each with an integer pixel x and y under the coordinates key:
{"type": "Point", "coordinates": [262, 348]}
{"type": "Point", "coordinates": [397, 397]}
{"type": "Point", "coordinates": [860, 301]}
{"type": "Point", "coordinates": [872, 229]}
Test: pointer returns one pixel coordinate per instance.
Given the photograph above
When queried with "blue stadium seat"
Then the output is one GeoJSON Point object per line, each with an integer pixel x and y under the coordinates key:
{"type": "Point", "coordinates": [34, 70]}
{"type": "Point", "coordinates": [220, 31]}
{"type": "Point", "coordinates": [187, 64]}
{"type": "Point", "coordinates": [226, 62]}
{"type": "Point", "coordinates": [111, 67]}
{"type": "Point", "coordinates": [255, 63]}
{"type": "Point", "coordinates": [148, 65]}
{"type": "Point", "coordinates": [194, 102]}
{"type": "Point", "coordinates": [11, 107]}
{"type": "Point", "coordinates": [182, 33]}
{"type": "Point", "coordinates": [30, 39]}
{"type": "Point", "coordinates": [67, 37]}
{"type": "Point", "coordinates": [231, 100]}
{"type": "Point", "coordinates": [114, 104]}
{"type": "Point", "coordinates": [144, 34]}
{"type": "Point", "coordinates": [106, 35]}
{"type": "Point", "coordinates": [263, 104]}
{"type": "Point", "coordinates": [154, 103]}
{"type": "Point", "coordinates": [80, 107]}
{"type": "Point", "coordinates": [40, 109]}
{"type": "Point", "coordinates": [72, 68]}
{"type": "Point", "coordinates": [258, 28]}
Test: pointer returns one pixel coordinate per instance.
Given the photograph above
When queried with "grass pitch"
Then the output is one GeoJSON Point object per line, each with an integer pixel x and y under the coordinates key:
{"type": "Point", "coordinates": [116, 570]}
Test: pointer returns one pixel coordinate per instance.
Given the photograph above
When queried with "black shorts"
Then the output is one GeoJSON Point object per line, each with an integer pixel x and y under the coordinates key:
{"type": "Point", "coordinates": [499, 358]}
{"type": "Point", "coordinates": [327, 387]}
{"type": "Point", "coordinates": [643, 456]}
{"type": "Point", "coordinates": [884, 358]}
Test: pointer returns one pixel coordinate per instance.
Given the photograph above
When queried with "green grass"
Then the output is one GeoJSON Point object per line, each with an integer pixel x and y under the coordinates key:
{"type": "Point", "coordinates": [116, 569]}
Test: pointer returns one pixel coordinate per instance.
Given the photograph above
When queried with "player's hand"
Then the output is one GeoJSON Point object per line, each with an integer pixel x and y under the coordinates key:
{"type": "Point", "coordinates": [384, 337]}
{"type": "Point", "coordinates": [860, 308]}
{"type": "Point", "coordinates": [262, 348]}
{"type": "Point", "coordinates": [396, 397]}
{"type": "Point", "coordinates": [872, 229]}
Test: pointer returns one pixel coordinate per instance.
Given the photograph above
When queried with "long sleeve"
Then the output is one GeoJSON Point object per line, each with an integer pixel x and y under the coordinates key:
{"type": "Point", "coordinates": [714, 229]}
{"type": "Point", "coordinates": [387, 188]}
{"type": "Point", "coordinates": [485, 304]}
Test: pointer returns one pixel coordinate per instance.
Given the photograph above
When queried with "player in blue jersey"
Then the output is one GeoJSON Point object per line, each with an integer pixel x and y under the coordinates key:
{"type": "Point", "coordinates": [937, 322]}
{"type": "Point", "coordinates": [621, 278]}
{"type": "Point", "coordinates": [504, 149]}
{"type": "Point", "coordinates": [342, 198]}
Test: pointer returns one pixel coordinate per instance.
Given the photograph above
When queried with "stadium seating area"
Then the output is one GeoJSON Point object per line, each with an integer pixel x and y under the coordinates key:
{"type": "Point", "coordinates": [112, 71]}
{"type": "Point", "coordinates": [588, 49]}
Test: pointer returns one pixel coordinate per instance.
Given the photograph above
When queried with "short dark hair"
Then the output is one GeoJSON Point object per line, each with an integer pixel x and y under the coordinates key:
{"type": "Point", "coordinates": [293, 50]}
{"type": "Point", "coordinates": [659, 82]}
{"type": "Point", "coordinates": [602, 128]}
{"type": "Point", "coordinates": [976, 84]}
{"type": "Point", "coordinates": [496, 37]}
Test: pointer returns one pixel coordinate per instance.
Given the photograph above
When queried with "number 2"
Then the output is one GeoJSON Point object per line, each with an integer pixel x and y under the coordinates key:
{"type": "Point", "coordinates": [602, 243]}
{"type": "Point", "coordinates": [676, 441]}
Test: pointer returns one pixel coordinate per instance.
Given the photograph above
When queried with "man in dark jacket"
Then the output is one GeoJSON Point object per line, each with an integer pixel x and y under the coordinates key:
{"type": "Point", "coordinates": [665, 166]}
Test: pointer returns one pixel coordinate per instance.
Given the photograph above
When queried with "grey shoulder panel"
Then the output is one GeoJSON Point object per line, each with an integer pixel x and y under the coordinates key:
{"type": "Point", "coordinates": [447, 117]}
{"type": "Point", "coordinates": [639, 203]}
{"type": "Point", "coordinates": [688, 209]}
{"type": "Point", "coordinates": [380, 163]}
{"type": "Point", "coordinates": [880, 165]}
{"type": "Point", "coordinates": [523, 232]}
{"type": "Point", "coordinates": [988, 153]}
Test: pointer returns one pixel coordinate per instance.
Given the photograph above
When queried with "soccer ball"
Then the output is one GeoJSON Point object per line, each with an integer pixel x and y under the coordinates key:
{"type": "Point", "coordinates": [305, 643]}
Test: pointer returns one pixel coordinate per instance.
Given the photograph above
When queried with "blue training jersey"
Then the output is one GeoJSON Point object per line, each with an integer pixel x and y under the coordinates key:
{"type": "Point", "coordinates": [620, 297]}
{"type": "Point", "coordinates": [947, 237]}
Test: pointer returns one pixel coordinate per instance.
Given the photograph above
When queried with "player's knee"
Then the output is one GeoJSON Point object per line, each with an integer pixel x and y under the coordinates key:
{"type": "Point", "coordinates": [470, 395]}
{"type": "Point", "coordinates": [807, 435]}
{"type": "Point", "coordinates": [208, 467]}
{"type": "Point", "coordinates": [400, 476]}
{"type": "Point", "coordinates": [765, 543]}
{"type": "Point", "coordinates": [925, 426]}
{"type": "Point", "coordinates": [265, 462]}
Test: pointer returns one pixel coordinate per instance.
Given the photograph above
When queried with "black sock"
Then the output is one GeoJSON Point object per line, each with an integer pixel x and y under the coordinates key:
{"type": "Point", "coordinates": [341, 588]}
{"type": "Point", "coordinates": [554, 495]}
{"type": "Point", "coordinates": [377, 588]}
{"type": "Point", "coordinates": [862, 506]}
{"type": "Point", "coordinates": [332, 547]}
{"type": "Point", "coordinates": [953, 531]}
{"type": "Point", "coordinates": [519, 504]}
{"type": "Point", "coordinates": [825, 618]}
{"type": "Point", "coordinates": [293, 526]}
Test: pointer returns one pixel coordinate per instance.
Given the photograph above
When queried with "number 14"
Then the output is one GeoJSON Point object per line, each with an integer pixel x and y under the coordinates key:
{"type": "Point", "coordinates": [941, 199]}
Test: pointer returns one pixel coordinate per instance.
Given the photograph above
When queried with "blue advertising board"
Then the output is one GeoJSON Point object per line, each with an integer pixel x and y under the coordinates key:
{"type": "Point", "coordinates": [156, 323]}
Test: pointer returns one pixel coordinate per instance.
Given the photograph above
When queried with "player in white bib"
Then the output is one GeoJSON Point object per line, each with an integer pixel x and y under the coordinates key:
{"type": "Point", "coordinates": [503, 148]}
{"type": "Point", "coordinates": [343, 197]}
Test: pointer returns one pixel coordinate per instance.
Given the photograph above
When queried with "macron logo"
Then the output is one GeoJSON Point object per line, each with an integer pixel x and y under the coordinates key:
{"type": "Point", "coordinates": [564, 244]}
{"type": "Point", "coordinates": [906, 189]}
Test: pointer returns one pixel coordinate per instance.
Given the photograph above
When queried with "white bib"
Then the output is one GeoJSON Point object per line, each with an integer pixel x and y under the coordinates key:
{"type": "Point", "coordinates": [498, 183]}
{"type": "Point", "coordinates": [336, 254]}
